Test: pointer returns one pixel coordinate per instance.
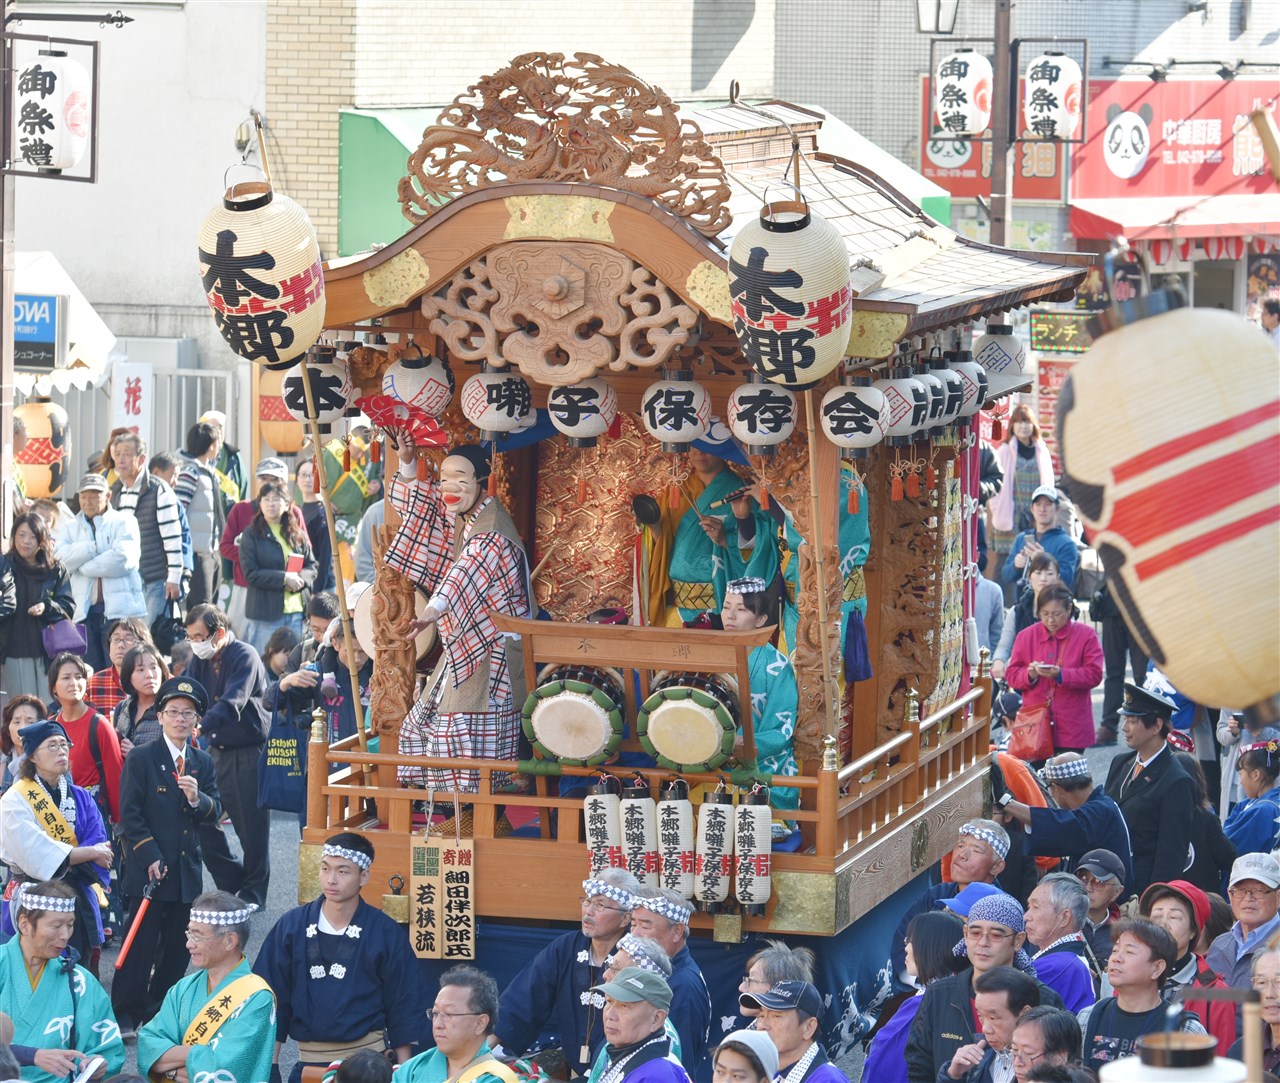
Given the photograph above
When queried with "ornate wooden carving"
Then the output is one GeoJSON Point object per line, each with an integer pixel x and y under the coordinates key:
{"type": "Point", "coordinates": [546, 117]}
{"type": "Point", "coordinates": [559, 311]}
{"type": "Point", "coordinates": [391, 687]}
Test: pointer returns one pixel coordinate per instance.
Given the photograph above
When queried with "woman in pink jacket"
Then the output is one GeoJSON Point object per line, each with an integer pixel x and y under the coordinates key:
{"type": "Point", "coordinates": [1027, 465]}
{"type": "Point", "coordinates": [1059, 661]}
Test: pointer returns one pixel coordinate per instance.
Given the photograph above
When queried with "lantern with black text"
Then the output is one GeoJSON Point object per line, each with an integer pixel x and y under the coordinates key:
{"type": "Point", "coordinates": [42, 462]}
{"type": "Point", "coordinates": [602, 819]}
{"type": "Point", "coordinates": [1004, 356]}
{"type": "Point", "coordinates": [676, 838]}
{"type": "Point", "coordinates": [583, 411]}
{"type": "Point", "coordinates": [424, 381]}
{"type": "Point", "coordinates": [331, 389]}
{"type": "Point", "coordinates": [676, 411]}
{"type": "Point", "coordinates": [52, 111]}
{"type": "Point", "coordinates": [854, 416]}
{"type": "Point", "coordinates": [790, 295]}
{"type": "Point", "coordinates": [906, 404]}
{"type": "Point", "coordinates": [753, 848]}
{"type": "Point", "coordinates": [260, 269]}
{"type": "Point", "coordinates": [496, 401]}
{"type": "Point", "coordinates": [1171, 448]}
{"type": "Point", "coordinates": [937, 401]}
{"type": "Point", "coordinates": [962, 93]}
{"type": "Point", "coordinates": [1053, 96]}
{"type": "Point", "coordinates": [713, 860]}
{"type": "Point", "coordinates": [974, 379]}
{"type": "Point", "coordinates": [761, 415]}
{"type": "Point", "coordinates": [955, 389]}
{"type": "Point", "coordinates": [639, 818]}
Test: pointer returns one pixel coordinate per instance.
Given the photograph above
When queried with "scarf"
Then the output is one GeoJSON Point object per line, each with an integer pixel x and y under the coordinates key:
{"type": "Point", "coordinates": [66, 802]}
{"type": "Point", "coordinates": [800, 1069]}
{"type": "Point", "coordinates": [625, 1058]}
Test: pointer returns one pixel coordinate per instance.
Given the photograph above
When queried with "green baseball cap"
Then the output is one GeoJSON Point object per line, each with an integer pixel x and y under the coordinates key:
{"type": "Point", "coordinates": [631, 985]}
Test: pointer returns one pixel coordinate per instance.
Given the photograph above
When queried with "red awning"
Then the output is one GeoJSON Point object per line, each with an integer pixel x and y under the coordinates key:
{"type": "Point", "coordinates": [1181, 217]}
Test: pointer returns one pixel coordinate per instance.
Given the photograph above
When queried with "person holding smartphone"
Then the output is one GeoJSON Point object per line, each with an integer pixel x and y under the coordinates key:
{"type": "Point", "coordinates": [278, 565]}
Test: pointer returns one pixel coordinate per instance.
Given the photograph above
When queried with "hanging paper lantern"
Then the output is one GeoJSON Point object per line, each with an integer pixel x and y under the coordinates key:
{"type": "Point", "coordinates": [906, 403]}
{"type": "Point", "coordinates": [602, 814]}
{"type": "Point", "coordinates": [937, 400]}
{"type": "Point", "coordinates": [496, 401]}
{"type": "Point", "coordinates": [854, 416]}
{"type": "Point", "coordinates": [43, 461]}
{"type": "Point", "coordinates": [1224, 247]}
{"type": "Point", "coordinates": [962, 93]}
{"type": "Point", "coordinates": [713, 862]}
{"type": "Point", "coordinates": [1169, 438]}
{"type": "Point", "coordinates": [331, 390]}
{"type": "Point", "coordinates": [974, 378]}
{"type": "Point", "coordinates": [1162, 250]}
{"type": "Point", "coordinates": [955, 389]}
{"type": "Point", "coordinates": [261, 273]}
{"type": "Point", "coordinates": [1003, 355]}
{"type": "Point", "coordinates": [761, 415]}
{"type": "Point", "coordinates": [676, 839]}
{"type": "Point", "coordinates": [278, 427]}
{"type": "Point", "coordinates": [753, 843]}
{"type": "Point", "coordinates": [1263, 245]}
{"type": "Point", "coordinates": [790, 294]}
{"type": "Point", "coordinates": [639, 817]}
{"type": "Point", "coordinates": [676, 411]}
{"type": "Point", "coordinates": [583, 411]}
{"type": "Point", "coordinates": [52, 112]}
{"type": "Point", "coordinates": [425, 382]}
{"type": "Point", "coordinates": [1053, 96]}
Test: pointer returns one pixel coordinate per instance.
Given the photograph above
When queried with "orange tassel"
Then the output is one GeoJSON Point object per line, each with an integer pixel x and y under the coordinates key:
{"type": "Point", "coordinates": [346, 460]}
{"type": "Point", "coordinates": [493, 484]}
{"type": "Point", "coordinates": [895, 490]}
{"type": "Point", "coordinates": [673, 496]}
{"type": "Point", "coordinates": [764, 496]}
{"type": "Point", "coordinates": [582, 489]}
{"type": "Point", "coordinates": [424, 469]}
{"type": "Point", "coordinates": [853, 500]}
{"type": "Point", "coordinates": [913, 485]}
{"type": "Point", "coordinates": [315, 465]}
{"type": "Point", "coordinates": [930, 476]}
{"type": "Point", "coordinates": [375, 451]}
{"type": "Point", "coordinates": [997, 429]}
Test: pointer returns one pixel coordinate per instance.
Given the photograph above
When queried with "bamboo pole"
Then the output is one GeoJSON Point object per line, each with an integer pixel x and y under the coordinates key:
{"type": "Point", "coordinates": [820, 563]}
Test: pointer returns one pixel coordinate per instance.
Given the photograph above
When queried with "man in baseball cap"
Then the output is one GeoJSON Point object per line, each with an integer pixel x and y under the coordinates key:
{"type": "Point", "coordinates": [635, 1009]}
{"type": "Point", "coordinates": [791, 1013]}
{"type": "Point", "coordinates": [1252, 892]}
{"type": "Point", "coordinates": [1103, 876]}
{"type": "Point", "coordinates": [1046, 536]}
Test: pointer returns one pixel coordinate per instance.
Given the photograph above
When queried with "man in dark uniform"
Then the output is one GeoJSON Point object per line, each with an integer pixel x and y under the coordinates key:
{"type": "Point", "coordinates": [1155, 795]}
{"type": "Point", "coordinates": [168, 789]}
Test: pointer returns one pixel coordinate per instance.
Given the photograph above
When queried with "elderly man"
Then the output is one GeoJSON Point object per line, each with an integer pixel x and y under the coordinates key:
{"type": "Point", "coordinates": [663, 915]}
{"type": "Point", "coordinates": [1044, 1036]}
{"type": "Point", "coordinates": [200, 493]}
{"type": "Point", "coordinates": [1001, 997]}
{"type": "Point", "coordinates": [1254, 901]}
{"type": "Point", "coordinates": [1156, 796]}
{"type": "Point", "coordinates": [993, 937]}
{"type": "Point", "coordinates": [1102, 874]}
{"type": "Point", "coordinates": [465, 1014]}
{"type": "Point", "coordinates": [155, 506]}
{"type": "Point", "coordinates": [217, 1022]}
{"type": "Point", "coordinates": [1084, 819]}
{"type": "Point", "coordinates": [791, 1014]}
{"type": "Point", "coordinates": [636, 1003]}
{"type": "Point", "coordinates": [554, 990]}
{"type": "Point", "coordinates": [1055, 915]}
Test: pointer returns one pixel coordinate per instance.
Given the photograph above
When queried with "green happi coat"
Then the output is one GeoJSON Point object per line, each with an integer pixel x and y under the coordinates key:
{"type": "Point", "coordinates": [66, 999]}
{"type": "Point", "coordinates": [241, 1049]}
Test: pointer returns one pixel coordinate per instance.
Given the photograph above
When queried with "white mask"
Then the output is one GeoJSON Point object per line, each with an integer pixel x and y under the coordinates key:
{"type": "Point", "coordinates": [204, 649]}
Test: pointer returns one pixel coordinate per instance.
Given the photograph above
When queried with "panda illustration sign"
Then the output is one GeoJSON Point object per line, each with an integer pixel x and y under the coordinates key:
{"type": "Point", "coordinates": [1127, 141]}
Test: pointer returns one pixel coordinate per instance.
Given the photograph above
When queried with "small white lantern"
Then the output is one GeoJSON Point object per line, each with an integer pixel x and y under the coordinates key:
{"type": "Point", "coordinates": [583, 411]}
{"type": "Point", "coordinates": [676, 411]}
{"type": "Point", "coordinates": [955, 390]}
{"type": "Point", "coordinates": [496, 401]}
{"type": "Point", "coordinates": [331, 389]}
{"type": "Point", "coordinates": [937, 401]}
{"type": "Point", "coordinates": [52, 112]}
{"type": "Point", "coordinates": [761, 415]}
{"type": "Point", "coordinates": [906, 403]}
{"type": "Point", "coordinates": [854, 416]}
{"type": "Point", "coordinates": [962, 93]}
{"type": "Point", "coordinates": [974, 378]}
{"type": "Point", "coordinates": [424, 381]}
{"type": "Point", "coordinates": [1054, 92]}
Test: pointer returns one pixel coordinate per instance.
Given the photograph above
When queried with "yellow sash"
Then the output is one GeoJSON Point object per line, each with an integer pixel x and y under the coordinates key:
{"type": "Point", "coordinates": [47, 814]}
{"type": "Point", "coordinates": [221, 1007]}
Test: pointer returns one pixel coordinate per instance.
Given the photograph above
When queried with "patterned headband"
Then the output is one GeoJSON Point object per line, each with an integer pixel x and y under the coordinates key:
{"type": "Point", "coordinates": [1062, 772]}
{"type": "Point", "coordinates": [1182, 741]}
{"type": "Point", "coordinates": [632, 946]}
{"type": "Point", "coordinates": [620, 895]}
{"type": "Point", "coordinates": [748, 585]}
{"type": "Point", "coordinates": [985, 834]}
{"type": "Point", "coordinates": [55, 903]}
{"type": "Point", "coordinates": [1269, 747]}
{"type": "Point", "coordinates": [223, 917]}
{"type": "Point", "coordinates": [664, 907]}
{"type": "Point", "coordinates": [354, 856]}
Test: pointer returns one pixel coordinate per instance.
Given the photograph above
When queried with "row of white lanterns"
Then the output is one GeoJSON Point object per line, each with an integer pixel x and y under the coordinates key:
{"type": "Point", "coordinates": [963, 85]}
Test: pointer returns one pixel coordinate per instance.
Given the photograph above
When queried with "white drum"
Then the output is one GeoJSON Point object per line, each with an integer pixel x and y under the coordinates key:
{"type": "Point", "coordinates": [690, 720]}
{"type": "Point", "coordinates": [362, 619]}
{"type": "Point", "coordinates": [575, 714]}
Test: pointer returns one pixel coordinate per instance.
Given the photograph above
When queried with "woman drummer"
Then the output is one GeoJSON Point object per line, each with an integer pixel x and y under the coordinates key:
{"type": "Point", "coordinates": [774, 698]}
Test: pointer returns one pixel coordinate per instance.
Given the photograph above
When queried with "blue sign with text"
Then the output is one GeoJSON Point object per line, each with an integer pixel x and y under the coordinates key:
{"type": "Point", "coordinates": [35, 317]}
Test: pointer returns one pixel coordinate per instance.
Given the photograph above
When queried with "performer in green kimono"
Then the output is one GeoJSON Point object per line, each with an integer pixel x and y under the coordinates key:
{"type": "Point", "coordinates": [774, 697]}
{"type": "Point", "coordinates": [219, 1023]}
{"type": "Point", "coordinates": [61, 1015]}
{"type": "Point", "coordinates": [749, 539]}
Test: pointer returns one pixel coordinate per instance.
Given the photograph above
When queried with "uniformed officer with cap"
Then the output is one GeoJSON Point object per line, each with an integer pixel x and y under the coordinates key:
{"type": "Point", "coordinates": [1156, 796]}
{"type": "Point", "coordinates": [168, 789]}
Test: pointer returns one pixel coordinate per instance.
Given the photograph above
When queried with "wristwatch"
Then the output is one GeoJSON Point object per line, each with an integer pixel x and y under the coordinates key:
{"type": "Point", "coordinates": [1004, 799]}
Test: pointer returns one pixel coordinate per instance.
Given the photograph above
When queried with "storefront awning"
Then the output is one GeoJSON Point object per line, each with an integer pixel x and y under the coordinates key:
{"type": "Point", "coordinates": [89, 341]}
{"type": "Point", "coordinates": [1147, 218]}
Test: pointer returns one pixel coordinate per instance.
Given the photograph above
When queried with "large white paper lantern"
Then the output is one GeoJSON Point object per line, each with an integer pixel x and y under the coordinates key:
{"type": "Point", "coordinates": [331, 389]}
{"type": "Point", "coordinates": [761, 416]}
{"type": "Point", "coordinates": [424, 381]}
{"type": "Point", "coordinates": [1053, 100]}
{"type": "Point", "coordinates": [974, 378]}
{"type": "Point", "coordinates": [52, 112]}
{"type": "Point", "coordinates": [790, 295]}
{"type": "Point", "coordinates": [676, 411]}
{"type": "Point", "coordinates": [937, 400]}
{"type": "Point", "coordinates": [261, 273]}
{"type": "Point", "coordinates": [1003, 355]}
{"type": "Point", "coordinates": [955, 390]}
{"type": "Point", "coordinates": [583, 411]}
{"type": "Point", "coordinates": [854, 416]}
{"type": "Point", "coordinates": [496, 401]}
{"type": "Point", "coordinates": [906, 403]}
{"type": "Point", "coordinates": [962, 93]}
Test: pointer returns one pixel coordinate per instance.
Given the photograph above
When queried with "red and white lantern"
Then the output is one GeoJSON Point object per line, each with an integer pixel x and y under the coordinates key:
{"type": "Point", "coordinates": [676, 411]}
{"type": "Point", "coordinates": [52, 112]}
{"type": "Point", "coordinates": [962, 93]}
{"type": "Point", "coordinates": [854, 416]}
{"type": "Point", "coordinates": [583, 411]}
{"type": "Point", "coordinates": [974, 378]}
{"type": "Point", "coordinates": [761, 415]}
{"type": "Point", "coordinates": [676, 844]}
{"type": "Point", "coordinates": [1162, 250]}
{"type": "Point", "coordinates": [602, 815]}
{"type": "Point", "coordinates": [496, 401]}
{"type": "Point", "coordinates": [424, 381]}
{"type": "Point", "coordinates": [713, 863]}
{"type": "Point", "coordinates": [639, 818]}
{"type": "Point", "coordinates": [753, 843]}
{"type": "Point", "coordinates": [906, 402]}
{"type": "Point", "coordinates": [1054, 96]}
{"type": "Point", "coordinates": [1224, 247]}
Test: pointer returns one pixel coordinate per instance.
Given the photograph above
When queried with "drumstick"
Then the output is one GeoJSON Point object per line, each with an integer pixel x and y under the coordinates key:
{"type": "Point", "coordinates": [547, 556]}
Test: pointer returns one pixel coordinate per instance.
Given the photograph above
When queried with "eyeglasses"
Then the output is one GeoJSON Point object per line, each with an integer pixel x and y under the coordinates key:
{"type": "Point", "coordinates": [991, 936]}
{"type": "Point", "coordinates": [202, 938]}
{"type": "Point", "coordinates": [1251, 893]}
{"type": "Point", "coordinates": [1023, 1056]}
{"type": "Point", "coordinates": [186, 716]}
{"type": "Point", "coordinates": [590, 904]}
{"type": "Point", "coordinates": [56, 746]}
{"type": "Point", "coordinates": [1267, 985]}
{"type": "Point", "coordinates": [435, 1014]}
{"type": "Point", "coordinates": [747, 979]}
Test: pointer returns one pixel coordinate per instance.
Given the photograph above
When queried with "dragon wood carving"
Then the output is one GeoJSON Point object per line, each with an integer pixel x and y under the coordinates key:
{"type": "Point", "coordinates": [544, 117]}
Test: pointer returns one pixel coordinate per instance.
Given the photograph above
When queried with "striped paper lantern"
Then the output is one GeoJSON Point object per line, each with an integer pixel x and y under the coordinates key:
{"type": "Point", "coordinates": [278, 427]}
{"type": "Point", "coordinates": [1224, 247]}
{"type": "Point", "coordinates": [1162, 250]}
{"type": "Point", "coordinates": [1264, 245]}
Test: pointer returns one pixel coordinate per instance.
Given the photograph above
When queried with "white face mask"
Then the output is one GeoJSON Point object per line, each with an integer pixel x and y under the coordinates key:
{"type": "Point", "coordinates": [204, 649]}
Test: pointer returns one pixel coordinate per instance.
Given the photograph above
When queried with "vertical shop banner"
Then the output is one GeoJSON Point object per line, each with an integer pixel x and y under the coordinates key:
{"type": "Point", "coordinates": [424, 899]}
{"type": "Point", "coordinates": [133, 397]}
{"type": "Point", "coordinates": [1051, 374]}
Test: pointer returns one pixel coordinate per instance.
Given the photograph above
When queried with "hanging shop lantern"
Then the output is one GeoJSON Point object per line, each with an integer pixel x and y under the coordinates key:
{"type": "Point", "coordinates": [278, 427]}
{"type": "Point", "coordinates": [855, 416]}
{"type": "Point", "coordinates": [954, 384]}
{"type": "Point", "coordinates": [962, 93]}
{"type": "Point", "coordinates": [261, 273]}
{"type": "Point", "coordinates": [1230, 248]}
{"type": "Point", "coordinates": [424, 381]}
{"type": "Point", "coordinates": [790, 294]}
{"type": "Point", "coordinates": [1003, 355]}
{"type": "Point", "coordinates": [906, 404]}
{"type": "Point", "coordinates": [761, 415]}
{"type": "Point", "coordinates": [1162, 250]}
{"type": "Point", "coordinates": [676, 848]}
{"type": "Point", "coordinates": [937, 401]}
{"type": "Point", "coordinates": [52, 112]}
{"type": "Point", "coordinates": [1173, 459]}
{"type": "Point", "coordinates": [331, 389]}
{"type": "Point", "coordinates": [43, 460]}
{"type": "Point", "coordinates": [713, 862]}
{"type": "Point", "coordinates": [973, 377]}
{"type": "Point", "coordinates": [602, 814]}
{"type": "Point", "coordinates": [753, 847]}
{"type": "Point", "coordinates": [583, 411]}
{"type": "Point", "coordinates": [639, 818]}
{"type": "Point", "coordinates": [676, 411]}
{"type": "Point", "coordinates": [496, 401]}
{"type": "Point", "coordinates": [1053, 96]}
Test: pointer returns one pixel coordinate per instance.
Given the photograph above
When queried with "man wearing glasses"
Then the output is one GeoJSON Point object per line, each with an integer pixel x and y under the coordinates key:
{"type": "Point", "coordinates": [465, 1014]}
{"type": "Point", "coordinates": [168, 789]}
{"type": "Point", "coordinates": [554, 992]}
{"type": "Point", "coordinates": [1254, 901]}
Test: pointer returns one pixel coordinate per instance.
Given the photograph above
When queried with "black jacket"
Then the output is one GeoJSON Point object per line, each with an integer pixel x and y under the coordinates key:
{"type": "Point", "coordinates": [54, 590]}
{"type": "Point", "coordinates": [263, 563]}
{"type": "Point", "coordinates": [159, 823]}
{"type": "Point", "coordinates": [236, 681]}
{"type": "Point", "coordinates": [945, 1022]}
{"type": "Point", "coordinates": [990, 476]}
{"type": "Point", "coordinates": [1158, 808]}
